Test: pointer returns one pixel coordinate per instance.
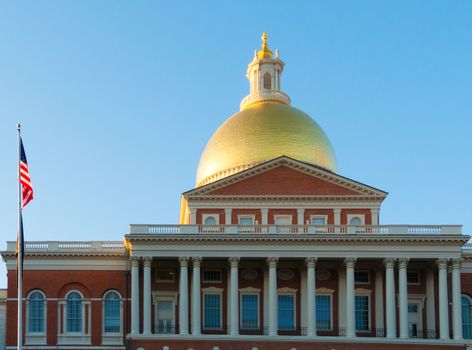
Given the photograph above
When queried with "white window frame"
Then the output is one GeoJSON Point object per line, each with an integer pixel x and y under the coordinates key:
{"type": "Point", "coordinates": [330, 294]}
{"type": "Point", "coordinates": [419, 278]}
{"type": "Point", "coordinates": [246, 216]}
{"type": "Point", "coordinates": [283, 216]}
{"type": "Point", "coordinates": [292, 292]}
{"type": "Point", "coordinates": [212, 270]}
{"type": "Point", "coordinates": [317, 216]}
{"type": "Point", "coordinates": [83, 337]}
{"type": "Point", "coordinates": [249, 291]}
{"type": "Point", "coordinates": [159, 297]}
{"type": "Point", "coordinates": [214, 216]}
{"type": "Point", "coordinates": [357, 228]}
{"type": "Point", "coordinates": [112, 337]}
{"type": "Point", "coordinates": [367, 293]}
{"type": "Point", "coordinates": [212, 291]}
{"type": "Point", "coordinates": [368, 276]}
{"type": "Point", "coordinates": [36, 338]}
{"type": "Point", "coordinates": [462, 323]}
{"type": "Point", "coordinates": [318, 228]}
{"type": "Point", "coordinates": [164, 281]}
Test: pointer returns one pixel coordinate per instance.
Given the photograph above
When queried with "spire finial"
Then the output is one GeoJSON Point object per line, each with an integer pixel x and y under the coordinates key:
{"type": "Point", "coordinates": [265, 52]}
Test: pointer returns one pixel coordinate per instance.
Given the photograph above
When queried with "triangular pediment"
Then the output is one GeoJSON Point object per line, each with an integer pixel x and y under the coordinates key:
{"type": "Point", "coordinates": [285, 176]}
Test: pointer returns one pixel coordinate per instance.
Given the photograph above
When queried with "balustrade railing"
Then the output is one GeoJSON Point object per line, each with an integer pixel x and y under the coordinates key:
{"type": "Point", "coordinates": [70, 246]}
{"type": "Point", "coordinates": [300, 229]}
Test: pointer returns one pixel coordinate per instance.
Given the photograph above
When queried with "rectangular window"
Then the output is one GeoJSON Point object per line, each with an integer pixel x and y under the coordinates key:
{"type": "Point", "coordinates": [249, 311]}
{"type": "Point", "coordinates": [212, 311]}
{"type": "Point", "coordinates": [413, 277]}
{"type": "Point", "coordinates": [211, 276]}
{"type": "Point", "coordinates": [362, 312]}
{"type": "Point", "coordinates": [323, 312]}
{"type": "Point", "coordinates": [286, 304]}
{"type": "Point", "coordinates": [165, 276]}
{"type": "Point", "coordinates": [165, 317]}
{"type": "Point", "coordinates": [318, 220]}
{"type": "Point", "coordinates": [361, 276]}
{"type": "Point", "coordinates": [246, 220]}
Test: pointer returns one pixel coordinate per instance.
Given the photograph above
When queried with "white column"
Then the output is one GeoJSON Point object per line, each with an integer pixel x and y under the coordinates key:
{"type": "Point", "coordinates": [350, 298]}
{"type": "Point", "coordinates": [234, 296]}
{"type": "Point", "coordinates": [456, 299]}
{"type": "Point", "coordinates": [193, 216]}
{"type": "Point", "coordinates": [310, 297]}
{"type": "Point", "coordinates": [196, 298]}
{"type": "Point", "coordinates": [443, 301]}
{"type": "Point", "coordinates": [390, 311]}
{"type": "Point", "coordinates": [265, 216]}
{"type": "Point", "coordinates": [183, 296]}
{"type": "Point", "coordinates": [147, 296]}
{"type": "Point", "coordinates": [228, 213]}
{"type": "Point", "coordinates": [273, 307]}
{"type": "Point", "coordinates": [342, 298]}
{"type": "Point", "coordinates": [374, 216]}
{"type": "Point", "coordinates": [403, 297]}
{"type": "Point", "coordinates": [430, 302]}
{"type": "Point", "coordinates": [379, 300]}
{"type": "Point", "coordinates": [134, 295]}
{"type": "Point", "coordinates": [300, 219]}
{"type": "Point", "coordinates": [337, 219]}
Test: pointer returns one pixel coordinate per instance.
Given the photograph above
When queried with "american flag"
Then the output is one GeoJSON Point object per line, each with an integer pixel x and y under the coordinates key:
{"type": "Point", "coordinates": [25, 180]}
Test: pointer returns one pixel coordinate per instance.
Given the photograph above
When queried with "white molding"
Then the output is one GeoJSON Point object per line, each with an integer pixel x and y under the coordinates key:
{"type": "Point", "coordinates": [249, 290]}
{"type": "Point", "coordinates": [112, 338]}
{"type": "Point", "coordinates": [286, 290]}
{"type": "Point", "coordinates": [323, 291]}
{"type": "Point", "coordinates": [215, 216]}
{"type": "Point", "coordinates": [212, 291]}
{"type": "Point", "coordinates": [164, 296]}
{"type": "Point", "coordinates": [35, 338]}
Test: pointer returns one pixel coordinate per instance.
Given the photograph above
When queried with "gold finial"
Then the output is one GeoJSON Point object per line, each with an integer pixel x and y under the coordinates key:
{"type": "Point", "coordinates": [265, 52]}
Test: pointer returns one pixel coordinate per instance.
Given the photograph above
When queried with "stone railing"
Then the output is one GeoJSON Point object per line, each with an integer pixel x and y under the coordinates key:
{"type": "Point", "coordinates": [299, 229]}
{"type": "Point", "coordinates": [467, 248]}
{"type": "Point", "coordinates": [71, 246]}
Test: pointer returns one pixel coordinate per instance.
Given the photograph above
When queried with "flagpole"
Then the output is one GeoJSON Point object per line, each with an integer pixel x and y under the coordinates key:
{"type": "Point", "coordinates": [19, 271]}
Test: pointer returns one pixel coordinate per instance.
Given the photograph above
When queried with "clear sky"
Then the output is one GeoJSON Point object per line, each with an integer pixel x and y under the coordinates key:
{"type": "Point", "coordinates": [118, 99]}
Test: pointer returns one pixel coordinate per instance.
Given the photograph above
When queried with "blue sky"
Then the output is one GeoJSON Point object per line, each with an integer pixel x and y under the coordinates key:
{"type": "Point", "coordinates": [118, 99]}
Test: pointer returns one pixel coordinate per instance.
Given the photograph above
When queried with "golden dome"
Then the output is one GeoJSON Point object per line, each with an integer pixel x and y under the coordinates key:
{"type": "Point", "coordinates": [261, 132]}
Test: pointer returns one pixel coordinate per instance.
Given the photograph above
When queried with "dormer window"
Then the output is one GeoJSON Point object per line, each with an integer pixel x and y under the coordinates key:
{"type": "Point", "coordinates": [267, 81]}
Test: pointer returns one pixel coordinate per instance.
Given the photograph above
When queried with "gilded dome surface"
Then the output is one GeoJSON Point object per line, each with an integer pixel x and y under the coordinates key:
{"type": "Point", "coordinates": [261, 132]}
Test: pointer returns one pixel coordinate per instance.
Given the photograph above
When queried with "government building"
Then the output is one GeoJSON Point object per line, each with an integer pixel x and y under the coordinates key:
{"type": "Point", "coordinates": [274, 250]}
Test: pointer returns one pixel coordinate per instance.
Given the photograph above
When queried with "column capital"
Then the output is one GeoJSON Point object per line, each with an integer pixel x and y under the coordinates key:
{"type": "Point", "coordinates": [134, 261]}
{"type": "Point", "coordinates": [389, 263]}
{"type": "Point", "coordinates": [272, 261]}
{"type": "Point", "coordinates": [336, 211]}
{"type": "Point", "coordinates": [374, 210]}
{"type": "Point", "coordinates": [183, 261]}
{"type": "Point", "coordinates": [349, 262]}
{"type": "Point", "coordinates": [196, 261]}
{"type": "Point", "coordinates": [456, 263]}
{"type": "Point", "coordinates": [403, 263]}
{"type": "Point", "coordinates": [228, 210]}
{"type": "Point", "coordinates": [264, 210]}
{"type": "Point", "coordinates": [147, 261]}
{"type": "Point", "coordinates": [301, 210]}
{"type": "Point", "coordinates": [311, 261]}
{"type": "Point", "coordinates": [442, 263]}
{"type": "Point", "coordinates": [233, 261]}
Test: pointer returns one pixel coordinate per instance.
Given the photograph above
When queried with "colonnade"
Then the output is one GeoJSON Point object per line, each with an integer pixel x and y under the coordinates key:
{"type": "Point", "coordinates": [310, 262]}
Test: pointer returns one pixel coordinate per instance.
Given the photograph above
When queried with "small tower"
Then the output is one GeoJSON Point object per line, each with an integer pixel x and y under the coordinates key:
{"type": "Point", "coordinates": [264, 74]}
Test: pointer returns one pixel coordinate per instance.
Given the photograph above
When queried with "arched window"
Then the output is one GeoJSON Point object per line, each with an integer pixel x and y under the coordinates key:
{"type": "Point", "coordinates": [112, 312]}
{"type": "Point", "coordinates": [355, 221]}
{"type": "Point", "coordinates": [74, 314]}
{"type": "Point", "coordinates": [36, 313]}
{"type": "Point", "coordinates": [466, 317]}
{"type": "Point", "coordinates": [267, 81]}
{"type": "Point", "coordinates": [210, 220]}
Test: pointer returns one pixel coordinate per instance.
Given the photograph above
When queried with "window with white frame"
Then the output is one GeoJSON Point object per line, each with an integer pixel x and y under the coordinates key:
{"type": "Point", "coordinates": [283, 219]}
{"type": "Point", "coordinates": [212, 276]}
{"type": "Point", "coordinates": [267, 81]}
{"type": "Point", "coordinates": [249, 311]}
{"type": "Point", "coordinates": [466, 317]}
{"type": "Point", "coordinates": [212, 311]}
{"type": "Point", "coordinates": [318, 220]}
{"type": "Point", "coordinates": [362, 312]}
{"type": "Point", "coordinates": [36, 313]}
{"type": "Point", "coordinates": [361, 276]}
{"type": "Point", "coordinates": [112, 313]}
{"type": "Point", "coordinates": [74, 312]}
{"type": "Point", "coordinates": [246, 219]}
{"type": "Point", "coordinates": [323, 312]}
{"type": "Point", "coordinates": [286, 312]}
{"type": "Point", "coordinates": [210, 219]}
